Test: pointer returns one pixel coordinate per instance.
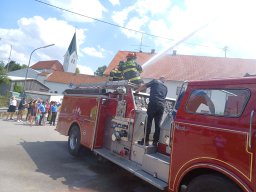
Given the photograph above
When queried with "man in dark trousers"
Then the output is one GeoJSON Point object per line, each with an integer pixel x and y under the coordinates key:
{"type": "Point", "coordinates": [158, 92]}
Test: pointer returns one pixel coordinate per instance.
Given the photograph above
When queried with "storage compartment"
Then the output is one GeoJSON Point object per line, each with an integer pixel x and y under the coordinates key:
{"type": "Point", "coordinates": [137, 153]}
{"type": "Point", "coordinates": [157, 165]}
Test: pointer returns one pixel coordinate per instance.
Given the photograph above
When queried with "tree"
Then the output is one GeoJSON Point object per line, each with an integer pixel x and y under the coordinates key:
{"type": "Point", "coordinates": [77, 71]}
{"type": "Point", "coordinates": [17, 88]}
{"type": "Point", "coordinates": [3, 74]}
{"type": "Point", "coordinates": [13, 66]}
{"type": "Point", "coordinates": [100, 71]}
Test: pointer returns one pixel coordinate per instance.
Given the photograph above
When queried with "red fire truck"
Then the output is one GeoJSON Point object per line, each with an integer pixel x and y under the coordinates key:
{"type": "Point", "coordinates": [207, 140]}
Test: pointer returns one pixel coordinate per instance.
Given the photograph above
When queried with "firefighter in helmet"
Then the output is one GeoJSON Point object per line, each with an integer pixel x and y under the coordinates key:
{"type": "Point", "coordinates": [131, 70]}
{"type": "Point", "coordinates": [116, 74]}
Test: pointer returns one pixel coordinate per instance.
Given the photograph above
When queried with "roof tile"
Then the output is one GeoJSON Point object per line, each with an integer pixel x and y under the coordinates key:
{"type": "Point", "coordinates": [76, 79]}
{"type": "Point", "coordinates": [188, 67]}
{"type": "Point", "coordinates": [54, 65]}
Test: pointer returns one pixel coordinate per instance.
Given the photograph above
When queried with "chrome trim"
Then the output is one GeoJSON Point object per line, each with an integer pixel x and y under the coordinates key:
{"type": "Point", "coordinates": [250, 131]}
{"type": "Point", "coordinates": [95, 125]}
{"type": "Point", "coordinates": [129, 124]}
{"type": "Point", "coordinates": [211, 127]}
{"type": "Point", "coordinates": [182, 85]}
{"type": "Point", "coordinates": [86, 95]}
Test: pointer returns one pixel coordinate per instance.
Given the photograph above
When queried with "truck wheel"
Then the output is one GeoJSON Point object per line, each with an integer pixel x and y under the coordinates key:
{"type": "Point", "coordinates": [211, 183]}
{"type": "Point", "coordinates": [74, 141]}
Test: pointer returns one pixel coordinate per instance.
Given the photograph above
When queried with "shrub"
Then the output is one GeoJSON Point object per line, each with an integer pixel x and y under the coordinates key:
{"type": "Point", "coordinates": [4, 101]}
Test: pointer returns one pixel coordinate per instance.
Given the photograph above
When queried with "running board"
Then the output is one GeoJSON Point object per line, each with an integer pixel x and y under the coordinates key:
{"type": "Point", "coordinates": [132, 167]}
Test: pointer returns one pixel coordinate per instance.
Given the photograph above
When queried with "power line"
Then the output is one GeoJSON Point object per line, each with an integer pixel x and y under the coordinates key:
{"type": "Point", "coordinates": [119, 26]}
{"type": "Point", "coordinates": [102, 21]}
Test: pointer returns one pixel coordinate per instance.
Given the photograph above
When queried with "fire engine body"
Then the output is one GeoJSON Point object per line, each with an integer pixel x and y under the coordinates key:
{"type": "Point", "coordinates": [209, 142]}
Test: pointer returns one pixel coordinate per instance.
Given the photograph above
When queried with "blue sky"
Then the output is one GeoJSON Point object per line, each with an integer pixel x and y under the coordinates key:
{"type": "Point", "coordinates": [29, 24]}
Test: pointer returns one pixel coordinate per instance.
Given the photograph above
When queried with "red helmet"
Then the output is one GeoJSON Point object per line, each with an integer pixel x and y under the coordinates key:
{"type": "Point", "coordinates": [131, 55]}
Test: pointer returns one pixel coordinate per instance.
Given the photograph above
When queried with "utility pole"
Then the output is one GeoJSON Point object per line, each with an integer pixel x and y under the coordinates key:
{"type": "Point", "coordinates": [9, 60]}
{"type": "Point", "coordinates": [225, 49]}
{"type": "Point", "coordinates": [141, 42]}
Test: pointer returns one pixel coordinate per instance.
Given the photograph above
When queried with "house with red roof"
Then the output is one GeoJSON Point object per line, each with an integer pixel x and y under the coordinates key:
{"type": "Point", "coordinates": [51, 74]}
{"type": "Point", "coordinates": [48, 66]}
{"type": "Point", "coordinates": [178, 68]}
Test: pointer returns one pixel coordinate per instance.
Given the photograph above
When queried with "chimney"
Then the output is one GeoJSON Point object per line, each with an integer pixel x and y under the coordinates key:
{"type": "Point", "coordinates": [153, 51]}
{"type": "Point", "coordinates": [174, 52]}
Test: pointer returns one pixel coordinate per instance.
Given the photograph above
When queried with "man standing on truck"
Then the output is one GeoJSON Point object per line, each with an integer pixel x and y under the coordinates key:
{"type": "Point", "coordinates": [116, 74]}
{"type": "Point", "coordinates": [131, 69]}
{"type": "Point", "coordinates": [158, 92]}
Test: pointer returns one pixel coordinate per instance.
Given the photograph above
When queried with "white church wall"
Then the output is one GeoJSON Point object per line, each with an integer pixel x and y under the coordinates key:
{"type": "Point", "coordinates": [57, 87]}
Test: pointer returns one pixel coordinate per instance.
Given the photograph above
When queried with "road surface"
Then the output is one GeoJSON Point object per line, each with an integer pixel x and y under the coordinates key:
{"type": "Point", "coordinates": [36, 159]}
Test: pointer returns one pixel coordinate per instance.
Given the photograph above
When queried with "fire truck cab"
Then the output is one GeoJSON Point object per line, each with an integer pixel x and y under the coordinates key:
{"type": "Point", "coordinates": [207, 138]}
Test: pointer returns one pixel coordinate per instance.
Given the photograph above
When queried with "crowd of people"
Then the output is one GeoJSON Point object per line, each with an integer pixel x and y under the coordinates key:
{"type": "Point", "coordinates": [36, 111]}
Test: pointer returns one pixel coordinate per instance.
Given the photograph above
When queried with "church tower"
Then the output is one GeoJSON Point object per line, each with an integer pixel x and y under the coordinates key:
{"type": "Point", "coordinates": [70, 58]}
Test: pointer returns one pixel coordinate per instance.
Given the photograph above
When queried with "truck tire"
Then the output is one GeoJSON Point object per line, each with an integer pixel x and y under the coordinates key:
{"type": "Point", "coordinates": [212, 183]}
{"type": "Point", "coordinates": [74, 141]}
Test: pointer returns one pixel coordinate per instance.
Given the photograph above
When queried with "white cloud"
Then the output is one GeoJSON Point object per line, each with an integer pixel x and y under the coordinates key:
{"type": "Point", "coordinates": [114, 2]}
{"type": "Point", "coordinates": [37, 32]}
{"type": "Point", "coordinates": [139, 14]}
{"type": "Point", "coordinates": [121, 16]}
{"type": "Point", "coordinates": [91, 51]}
{"type": "Point", "coordinates": [92, 9]}
{"type": "Point", "coordinates": [85, 70]}
{"type": "Point", "coordinates": [232, 27]}
{"type": "Point", "coordinates": [152, 7]}
{"type": "Point", "coordinates": [136, 24]}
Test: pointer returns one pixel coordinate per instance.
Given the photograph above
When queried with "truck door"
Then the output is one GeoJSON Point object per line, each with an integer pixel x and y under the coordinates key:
{"type": "Point", "coordinates": [252, 135]}
{"type": "Point", "coordinates": [212, 129]}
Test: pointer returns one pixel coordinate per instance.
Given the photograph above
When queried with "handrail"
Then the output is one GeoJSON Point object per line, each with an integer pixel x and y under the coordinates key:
{"type": "Point", "coordinates": [250, 130]}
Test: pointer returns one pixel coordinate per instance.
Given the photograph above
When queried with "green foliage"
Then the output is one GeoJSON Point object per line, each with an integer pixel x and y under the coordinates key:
{"type": "Point", "coordinates": [23, 66]}
{"type": "Point", "coordinates": [100, 71]}
{"type": "Point", "coordinates": [2, 63]}
{"type": "Point", "coordinates": [13, 66]}
{"type": "Point", "coordinates": [3, 74]}
{"type": "Point", "coordinates": [77, 71]}
{"type": "Point", "coordinates": [17, 88]}
{"type": "Point", "coordinates": [4, 101]}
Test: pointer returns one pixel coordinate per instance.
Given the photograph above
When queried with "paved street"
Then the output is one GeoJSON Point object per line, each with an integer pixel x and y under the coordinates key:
{"type": "Point", "coordinates": [35, 159]}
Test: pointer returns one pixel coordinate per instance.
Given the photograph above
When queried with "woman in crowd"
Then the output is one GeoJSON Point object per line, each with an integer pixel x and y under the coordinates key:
{"type": "Point", "coordinates": [33, 112]}
{"type": "Point", "coordinates": [12, 108]}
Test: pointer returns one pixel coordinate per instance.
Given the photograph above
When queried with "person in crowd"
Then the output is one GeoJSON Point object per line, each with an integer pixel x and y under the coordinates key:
{"type": "Point", "coordinates": [155, 110]}
{"type": "Point", "coordinates": [29, 106]}
{"type": "Point", "coordinates": [47, 108]}
{"type": "Point", "coordinates": [33, 112]}
{"type": "Point", "coordinates": [50, 112]}
{"type": "Point", "coordinates": [21, 108]}
{"type": "Point", "coordinates": [131, 69]}
{"type": "Point", "coordinates": [54, 110]}
{"type": "Point", "coordinates": [42, 111]}
{"type": "Point", "coordinates": [12, 108]}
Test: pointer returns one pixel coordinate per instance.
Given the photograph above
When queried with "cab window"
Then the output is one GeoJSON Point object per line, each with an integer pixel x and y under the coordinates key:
{"type": "Point", "coordinates": [228, 102]}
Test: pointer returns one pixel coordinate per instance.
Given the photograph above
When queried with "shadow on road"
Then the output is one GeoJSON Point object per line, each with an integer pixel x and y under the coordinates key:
{"type": "Point", "coordinates": [84, 174]}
